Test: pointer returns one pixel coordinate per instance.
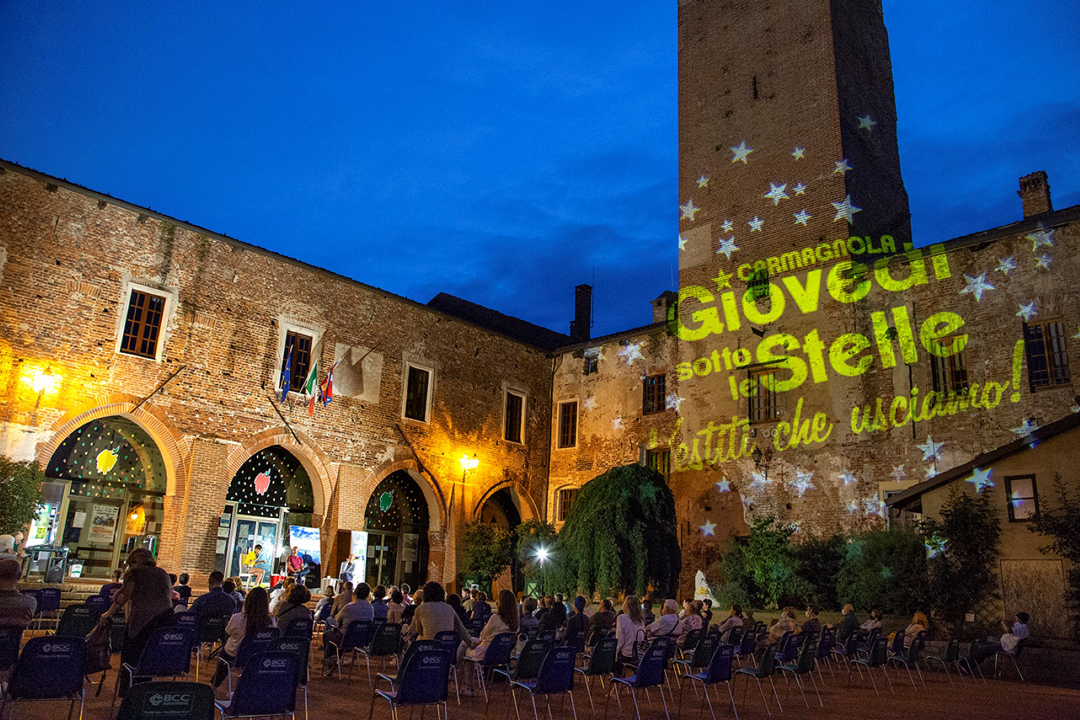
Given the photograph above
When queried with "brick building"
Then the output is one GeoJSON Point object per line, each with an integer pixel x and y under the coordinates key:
{"type": "Point", "coordinates": [811, 364]}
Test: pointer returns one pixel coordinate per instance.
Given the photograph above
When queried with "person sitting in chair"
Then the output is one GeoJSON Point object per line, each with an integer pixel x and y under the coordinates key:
{"type": "Point", "coordinates": [1009, 640]}
{"type": "Point", "coordinates": [254, 565]}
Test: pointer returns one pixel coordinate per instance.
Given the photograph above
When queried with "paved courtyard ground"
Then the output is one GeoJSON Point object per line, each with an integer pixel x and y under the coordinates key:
{"type": "Point", "coordinates": [340, 699]}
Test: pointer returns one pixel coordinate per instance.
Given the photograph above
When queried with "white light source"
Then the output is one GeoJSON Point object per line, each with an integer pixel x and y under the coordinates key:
{"type": "Point", "coordinates": [542, 554]}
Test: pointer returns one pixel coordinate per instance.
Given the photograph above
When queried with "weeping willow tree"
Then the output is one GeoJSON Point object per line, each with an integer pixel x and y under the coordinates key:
{"type": "Point", "coordinates": [620, 535]}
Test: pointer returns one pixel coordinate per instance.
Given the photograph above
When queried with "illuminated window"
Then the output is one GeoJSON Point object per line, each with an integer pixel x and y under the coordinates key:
{"type": "Point", "coordinates": [659, 460]}
{"type": "Point", "coordinates": [948, 374]}
{"type": "Point", "coordinates": [142, 327]}
{"type": "Point", "coordinates": [298, 347]}
{"type": "Point", "coordinates": [514, 417]}
{"type": "Point", "coordinates": [592, 363]}
{"type": "Point", "coordinates": [568, 424]}
{"type": "Point", "coordinates": [417, 393]}
{"type": "Point", "coordinates": [1048, 364]}
{"type": "Point", "coordinates": [1023, 498]}
{"type": "Point", "coordinates": [759, 284]}
{"type": "Point", "coordinates": [566, 501]}
{"type": "Point", "coordinates": [654, 396]}
{"type": "Point", "coordinates": [763, 406]}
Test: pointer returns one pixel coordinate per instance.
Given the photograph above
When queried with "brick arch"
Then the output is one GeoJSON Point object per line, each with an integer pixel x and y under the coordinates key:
{"type": "Point", "coordinates": [311, 457]}
{"type": "Point", "coordinates": [166, 436]}
{"type": "Point", "coordinates": [437, 514]}
{"type": "Point", "coordinates": [528, 506]}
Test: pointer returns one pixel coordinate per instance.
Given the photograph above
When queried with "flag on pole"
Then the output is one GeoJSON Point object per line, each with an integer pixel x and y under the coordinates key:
{"type": "Point", "coordinates": [311, 387]}
{"type": "Point", "coordinates": [286, 374]}
{"type": "Point", "coordinates": [328, 390]}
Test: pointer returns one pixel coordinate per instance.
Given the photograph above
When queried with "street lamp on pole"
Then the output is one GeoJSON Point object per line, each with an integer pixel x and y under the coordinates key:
{"type": "Point", "coordinates": [542, 554]}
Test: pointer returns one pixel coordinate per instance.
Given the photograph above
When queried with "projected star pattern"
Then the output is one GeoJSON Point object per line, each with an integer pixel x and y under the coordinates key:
{"type": "Point", "coordinates": [109, 455]}
{"type": "Point", "coordinates": [281, 479]}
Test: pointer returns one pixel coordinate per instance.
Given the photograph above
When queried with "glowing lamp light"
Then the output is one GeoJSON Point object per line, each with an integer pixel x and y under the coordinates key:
{"type": "Point", "coordinates": [542, 554]}
{"type": "Point", "coordinates": [468, 463]}
{"type": "Point", "coordinates": [133, 516]}
{"type": "Point", "coordinates": [44, 381]}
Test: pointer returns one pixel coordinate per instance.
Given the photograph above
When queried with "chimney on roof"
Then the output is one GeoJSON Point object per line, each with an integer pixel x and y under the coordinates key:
{"type": "Point", "coordinates": [1034, 193]}
{"type": "Point", "coordinates": [581, 325]}
{"type": "Point", "coordinates": [660, 306]}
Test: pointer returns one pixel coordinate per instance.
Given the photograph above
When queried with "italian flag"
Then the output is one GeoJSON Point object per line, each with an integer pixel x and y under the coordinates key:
{"type": "Point", "coordinates": [311, 387]}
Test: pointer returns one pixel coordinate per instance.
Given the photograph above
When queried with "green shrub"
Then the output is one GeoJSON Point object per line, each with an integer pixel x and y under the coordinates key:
{"type": "Point", "coordinates": [883, 569]}
{"type": "Point", "coordinates": [487, 551]}
{"type": "Point", "coordinates": [20, 488]}
{"type": "Point", "coordinates": [819, 567]}
{"type": "Point", "coordinates": [762, 570]}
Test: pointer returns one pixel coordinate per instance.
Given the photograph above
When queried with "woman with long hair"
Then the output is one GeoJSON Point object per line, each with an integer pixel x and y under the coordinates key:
{"type": "Point", "coordinates": [504, 620]}
{"type": "Point", "coordinates": [146, 596]}
{"type": "Point", "coordinates": [293, 606]}
{"type": "Point", "coordinates": [629, 628]}
{"type": "Point", "coordinates": [254, 617]}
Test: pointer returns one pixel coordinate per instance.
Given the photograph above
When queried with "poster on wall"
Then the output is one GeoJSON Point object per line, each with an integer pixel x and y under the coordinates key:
{"type": "Point", "coordinates": [410, 547]}
{"type": "Point", "coordinates": [103, 523]}
{"type": "Point", "coordinates": [306, 539]}
{"type": "Point", "coordinates": [358, 549]}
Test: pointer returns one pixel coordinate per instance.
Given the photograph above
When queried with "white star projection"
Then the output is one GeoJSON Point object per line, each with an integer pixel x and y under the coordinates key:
{"type": "Point", "coordinates": [800, 189]}
{"type": "Point", "coordinates": [703, 181]}
{"type": "Point", "coordinates": [976, 286]}
{"type": "Point", "coordinates": [723, 485]}
{"type": "Point", "coordinates": [980, 479]}
{"type": "Point", "coordinates": [842, 166]}
{"type": "Point", "coordinates": [1040, 237]}
{"type": "Point", "coordinates": [931, 449]}
{"type": "Point", "coordinates": [707, 529]}
{"type": "Point", "coordinates": [589, 403]}
{"type": "Point", "coordinates": [682, 243]}
{"type": "Point", "coordinates": [727, 247]}
{"type": "Point", "coordinates": [777, 193]}
{"type": "Point", "coordinates": [867, 123]}
{"type": "Point", "coordinates": [1027, 311]}
{"type": "Point", "coordinates": [740, 152]}
{"type": "Point", "coordinates": [758, 481]}
{"type": "Point", "coordinates": [689, 210]}
{"type": "Point", "coordinates": [726, 226]}
{"type": "Point", "coordinates": [1026, 428]}
{"type": "Point", "coordinates": [802, 482]}
{"type": "Point", "coordinates": [755, 224]}
{"type": "Point", "coordinates": [802, 216]}
{"type": "Point", "coordinates": [874, 506]}
{"type": "Point", "coordinates": [848, 478]}
{"type": "Point", "coordinates": [616, 423]}
{"type": "Point", "coordinates": [853, 506]}
{"type": "Point", "coordinates": [632, 352]}
{"type": "Point", "coordinates": [1043, 261]}
{"type": "Point", "coordinates": [931, 471]}
{"type": "Point", "coordinates": [898, 473]}
{"type": "Point", "coordinates": [1006, 265]}
{"type": "Point", "coordinates": [673, 402]}
{"type": "Point", "coordinates": [846, 210]}
{"type": "Point", "coordinates": [798, 153]}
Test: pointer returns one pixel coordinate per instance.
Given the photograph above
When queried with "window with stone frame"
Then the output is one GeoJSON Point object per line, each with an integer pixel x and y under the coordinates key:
{"type": "Point", "coordinates": [1047, 360]}
{"type": "Point", "coordinates": [763, 405]}
{"type": "Point", "coordinates": [296, 355]}
{"type": "Point", "coordinates": [659, 460]}
{"type": "Point", "coordinates": [565, 503]}
{"type": "Point", "coordinates": [654, 394]}
{"type": "Point", "coordinates": [568, 424]}
{"type": "Point", "coordinates": [142, 325]}
{"type": "Point", "coordinates": [514, 417]}
{"type": "Point", "coordinates": [948, 375]}
{"type": "Point", "coordinates": [417, 393]}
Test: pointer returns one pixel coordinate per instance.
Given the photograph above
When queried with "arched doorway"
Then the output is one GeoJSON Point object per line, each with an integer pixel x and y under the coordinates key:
{"type": "Point", "coordinates": [268, 495]}
{"type": "Point", "coordinates": [396, 522]}
{"type": "Point", "coordinates": [502, 508]}
{"type": "Point", "coordinates": [104, 495]}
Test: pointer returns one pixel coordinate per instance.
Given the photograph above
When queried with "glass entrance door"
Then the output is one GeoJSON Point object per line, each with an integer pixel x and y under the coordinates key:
{"type": "Point", "coordinates": [249, 532]}
{"type": "Point", "coordinates": [382, 558]}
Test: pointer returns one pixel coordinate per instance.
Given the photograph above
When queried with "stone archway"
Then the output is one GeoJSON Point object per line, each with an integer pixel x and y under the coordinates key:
{"type": "Point", "coordinates": [315, 462]}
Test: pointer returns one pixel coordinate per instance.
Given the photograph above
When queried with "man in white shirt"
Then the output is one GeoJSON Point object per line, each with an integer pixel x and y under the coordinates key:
{"type": "Point", "coordinates": [1009, 641]}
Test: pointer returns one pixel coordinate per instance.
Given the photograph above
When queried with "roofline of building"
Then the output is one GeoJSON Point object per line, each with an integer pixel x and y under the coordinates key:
{"type": "Point", "coordinates": [138, 209]}
{"type": "Point", "coordinates": [610, 337]}
{"type": "Point", "coordinates": [1050, 219]}
{"type": "Point", "coordinates": [913, 493]}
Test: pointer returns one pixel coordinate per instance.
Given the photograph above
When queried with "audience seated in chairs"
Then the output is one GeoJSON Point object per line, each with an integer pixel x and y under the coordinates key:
{"type": "Point", "coordinates": [254, 617]}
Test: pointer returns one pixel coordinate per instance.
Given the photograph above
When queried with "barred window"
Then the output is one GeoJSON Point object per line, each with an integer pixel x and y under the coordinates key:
{"type": "Point", "coordinates": [142, 327]}
{"type": "Point", "coordinates": [298, 347]}
{"type": "Point", "coordinates": [949, 374]}
{"type": "Point", "coordinates": [659, 460]}
{"type": "Point", "coordinates": [654, 397]}
{"type": "Point", "coordinates": [763, 405]}
{"type": "Point", "coordinates": [565, 503]}
{"type": "Point", "coordinates": [1048, 363]}
{"type": "Point", "coordinates": [759, 284]}
{"type": "Point", "coordinates": [568, 424]}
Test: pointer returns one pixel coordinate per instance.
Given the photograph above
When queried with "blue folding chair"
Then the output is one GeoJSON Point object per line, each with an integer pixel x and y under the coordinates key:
{"type": "Point", "coordinates": [746, 647]}
{"type": "Point", "coordinates": [556, 677]}
{"type": "Point", "coordinates": [167, 654]}
{"type": "Point", "coordinates": [414, 647]}
{"type": "Point", "coordinates": [449, 641]}
{"type": "Point", "coordinates": [49, 668]}
{"type": "Point", "coordinates": [764, 671]}
{"type": "Point", "coordinates": [421, 682]}
{"type": "Point", "coordinates": [10, 641]}
{"type": "Point", "coordinates": [497, 657]}
{"type": "Point", "coordinates": [804, 665]}
{"type": "Point", "coordinates": [98, 602]}
{"type": "Point", "coordinates": [267, 687]}
{"type": "Point", "coordinates": [193, 622]}
{"type": "Point", "coordinates": [168, 701]}
{"type": "Point", "coordinates": [601, 662]}
{"type": "Point", "coordinates": [877, 658]}
{"type": "Point", "coordinates": [719, 670]}
{"type": "Point", "coordinates": [48, 602]}
{"type": "Point", "coordinates": [385, 643]}
{"type": "Point", "coordinates": [249, 646]}
{"type": "Point", "coordinates": [650, 673]}
{"type": "Point", "coordinates": [355, 637]}
{"type": "Point", "coordinates": [699, 658]}
{"type": "Point", "coordinates": [527, 664]}
{"type": "Point", "coordinates": [302, 647]}
{"type": "Point", "coordinates": [77, 621]}
{"type": "Point", "coordinates": [910, 658]}
{"type": "Point", "coordinates": [300, 627]}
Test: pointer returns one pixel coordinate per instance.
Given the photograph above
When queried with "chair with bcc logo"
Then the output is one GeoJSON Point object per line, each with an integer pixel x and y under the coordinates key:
{"type": "Point", "coordinates": [167, 654]}
{"type": "Point", "coordinates": [49, 668]}
{"type": "Point", "coordinates": [168, 701]}
{"type": "Point", "coordinates": [301, 646]}
{"type": "Point", "coordinates": [267, 687]}
{"type": "Point", "coordinates": [422, 681]}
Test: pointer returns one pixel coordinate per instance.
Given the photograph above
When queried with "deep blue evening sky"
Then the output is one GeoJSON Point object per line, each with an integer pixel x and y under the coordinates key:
{"type": "Point", "coordinates": [501, 153]}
